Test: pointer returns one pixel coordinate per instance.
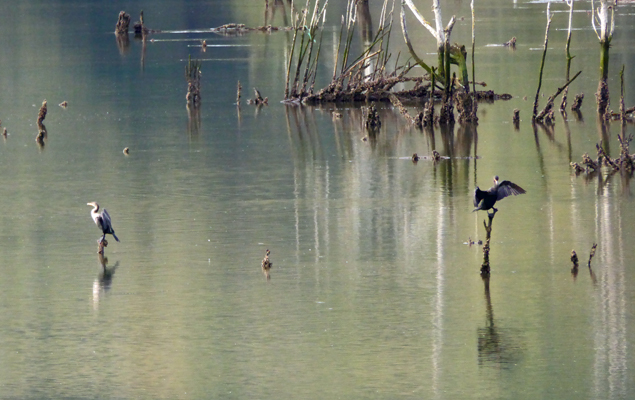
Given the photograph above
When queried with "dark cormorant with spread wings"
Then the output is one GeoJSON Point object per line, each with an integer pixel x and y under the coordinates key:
{"type": "Point", "coordinates": [485, 199]}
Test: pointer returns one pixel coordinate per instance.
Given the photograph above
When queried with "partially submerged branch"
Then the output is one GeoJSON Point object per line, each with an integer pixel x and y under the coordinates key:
{"type": "Point", "coordinates": [542, 64]}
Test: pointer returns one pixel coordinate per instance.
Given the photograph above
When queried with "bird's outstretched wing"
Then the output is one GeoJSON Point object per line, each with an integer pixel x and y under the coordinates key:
{"type": "Point", "coordinates": [478, 196]}
{"type": "Point", "coordinates": [507, 188]}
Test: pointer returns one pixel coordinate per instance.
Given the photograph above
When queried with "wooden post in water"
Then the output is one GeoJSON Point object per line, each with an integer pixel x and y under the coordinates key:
{"type": "Point", "coordinates": [485, 267]}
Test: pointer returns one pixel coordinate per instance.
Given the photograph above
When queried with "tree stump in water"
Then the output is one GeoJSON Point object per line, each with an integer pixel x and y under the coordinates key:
{"type": "Point", "coordinates": [123, 23]}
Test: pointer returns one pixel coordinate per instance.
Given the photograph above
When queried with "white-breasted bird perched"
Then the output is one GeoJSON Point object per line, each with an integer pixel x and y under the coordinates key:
{"type": "Point", "coordinates": [103, 221]}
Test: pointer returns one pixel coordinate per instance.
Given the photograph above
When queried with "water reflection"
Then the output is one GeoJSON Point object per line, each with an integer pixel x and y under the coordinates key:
{"type": "Point", "coordinates": [365, 21]}
{"type": "Point", "coordinates": [123, 43]}
{"type": "Point", "coordinates": [42, 135]}
{"type": "Point", "coordinates": [103, 282]}
{"type": "Point", "coordinates": [278, 6]}
{"type": "Point", "coordinates": [497, 347]}
{"type": "Point", "coordinates": [194, 119]}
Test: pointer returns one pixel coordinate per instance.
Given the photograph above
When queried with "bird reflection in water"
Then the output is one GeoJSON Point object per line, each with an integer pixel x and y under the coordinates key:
{"type": "Point", "coordinates": [497, 347]}
{"type": "Point", "coordinates": [103, 282]}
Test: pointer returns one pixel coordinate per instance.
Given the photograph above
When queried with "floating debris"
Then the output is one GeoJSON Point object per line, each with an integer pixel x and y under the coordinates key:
{"type": "Point", "coordinates": [240, 29]}
{"type": "Point", "coordinates": [64, 104]}
{"type": "Point", "coordinates": [511, 43]}
{"type": "Point", "coordinates": [258, 100]}
{"type": "Point", "coordinates": [126, 151]}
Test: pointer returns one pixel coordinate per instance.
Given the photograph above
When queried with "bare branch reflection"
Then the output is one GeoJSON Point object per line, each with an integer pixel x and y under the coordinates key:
{"type": "Point", "coordinates": [497, 347]}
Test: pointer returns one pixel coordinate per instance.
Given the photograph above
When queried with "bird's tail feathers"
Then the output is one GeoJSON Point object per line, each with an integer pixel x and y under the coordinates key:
{"type": "Point", "coordinates": [116, 238]}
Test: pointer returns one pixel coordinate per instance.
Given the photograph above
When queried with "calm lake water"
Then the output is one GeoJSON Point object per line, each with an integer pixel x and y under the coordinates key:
{"type": "Point", "coordinates": [374, 292]}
